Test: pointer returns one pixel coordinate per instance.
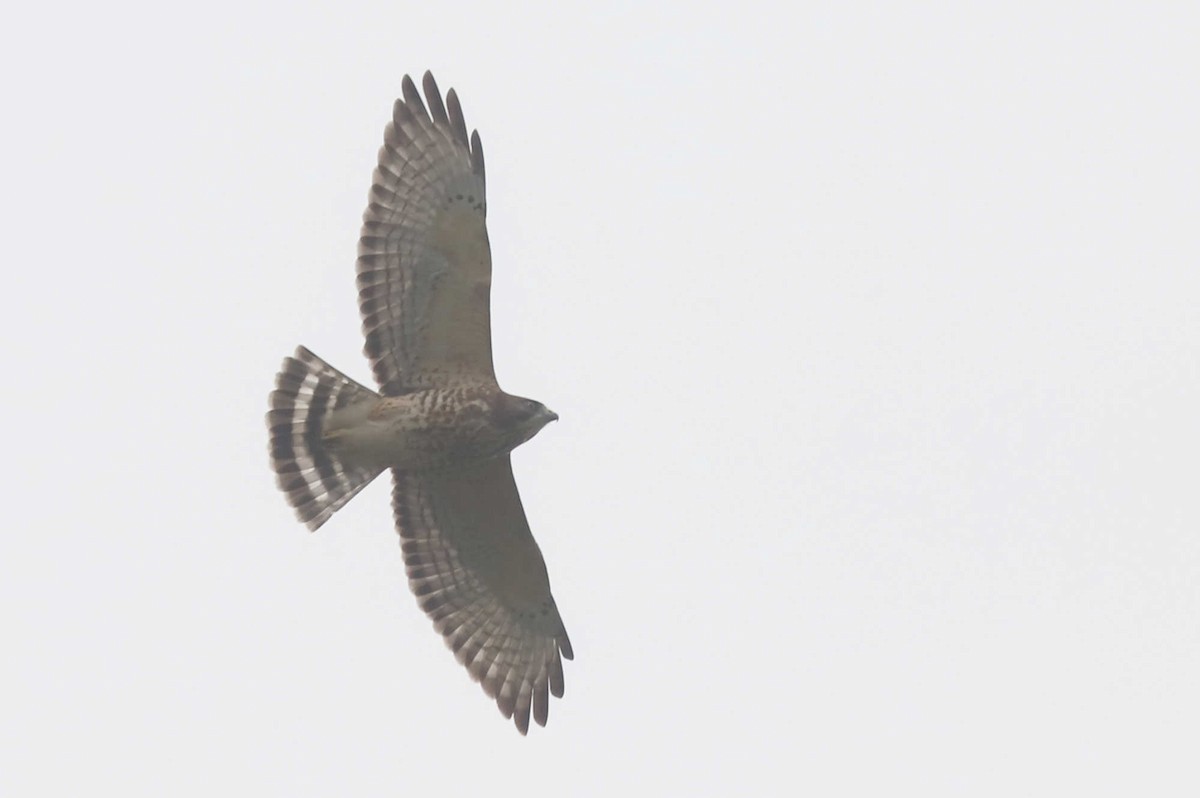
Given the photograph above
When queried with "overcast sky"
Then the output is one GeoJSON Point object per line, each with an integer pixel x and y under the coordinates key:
{"type": "Point", "coordinates": [874, 335]}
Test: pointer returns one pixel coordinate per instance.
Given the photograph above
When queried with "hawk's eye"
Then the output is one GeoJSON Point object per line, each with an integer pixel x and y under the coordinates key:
{"type": "Point", "coordinates": [515, 410]}
{"type": "Point", "coordinates": [529, 409]}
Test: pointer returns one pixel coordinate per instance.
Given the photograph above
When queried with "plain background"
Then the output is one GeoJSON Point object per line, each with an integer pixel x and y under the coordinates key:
{"type": "Point", "coordinates": [874, 333]}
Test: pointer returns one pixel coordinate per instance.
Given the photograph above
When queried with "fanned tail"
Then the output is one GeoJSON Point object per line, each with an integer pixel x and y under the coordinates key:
{"type": "Point", "coordinates": [315, 481]}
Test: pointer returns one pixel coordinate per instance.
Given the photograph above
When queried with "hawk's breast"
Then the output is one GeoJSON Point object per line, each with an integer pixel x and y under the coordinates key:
{"type": "Point", "coordinates": [420, 430]}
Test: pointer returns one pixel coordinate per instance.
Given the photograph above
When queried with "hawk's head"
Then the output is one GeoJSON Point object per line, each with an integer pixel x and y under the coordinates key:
{"type": "Point", "coordinates": [518, 418]}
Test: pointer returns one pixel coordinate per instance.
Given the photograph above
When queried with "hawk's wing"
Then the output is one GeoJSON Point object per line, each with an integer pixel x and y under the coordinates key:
{"type": "Point", "coordinates": [479, 575]}
{"type": "Point", "coordinates": [424, 264]}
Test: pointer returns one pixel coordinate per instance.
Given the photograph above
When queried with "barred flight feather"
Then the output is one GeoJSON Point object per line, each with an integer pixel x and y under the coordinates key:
{"type": "Point", "coordinates": [315, 482]}
{"type": "Point", "coordinates": [429, 174]}
{"type": "Point", "coordinates": [512, 646]}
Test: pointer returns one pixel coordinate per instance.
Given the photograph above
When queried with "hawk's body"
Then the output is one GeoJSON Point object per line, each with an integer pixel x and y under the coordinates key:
{"type": "Point", "coordinates": [440, 422]}
{"type": "Point", "coordinates": [431, 428]}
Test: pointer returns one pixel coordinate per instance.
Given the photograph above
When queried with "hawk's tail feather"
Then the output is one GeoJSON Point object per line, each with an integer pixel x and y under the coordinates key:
{"type": "Point", "coordinates": [315, 481]}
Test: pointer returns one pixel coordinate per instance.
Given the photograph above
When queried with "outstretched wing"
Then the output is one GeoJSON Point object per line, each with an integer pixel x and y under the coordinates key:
{"type": "Point", "coordinates": [424, 264]}
{"type": "Point", "coordinates": [477, 572]}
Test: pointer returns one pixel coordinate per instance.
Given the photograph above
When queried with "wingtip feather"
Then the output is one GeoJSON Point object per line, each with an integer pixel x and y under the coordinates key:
{"type": "Point", "coordinates": [433, 97]}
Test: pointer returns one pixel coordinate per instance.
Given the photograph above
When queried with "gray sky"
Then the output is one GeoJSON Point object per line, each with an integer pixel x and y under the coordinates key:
{"type": "Point", "coordinates": [873, 334]}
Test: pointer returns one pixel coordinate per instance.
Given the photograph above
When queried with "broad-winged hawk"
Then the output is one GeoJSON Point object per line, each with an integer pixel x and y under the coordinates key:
{"type": "Point", "coordinates": [439, 421]}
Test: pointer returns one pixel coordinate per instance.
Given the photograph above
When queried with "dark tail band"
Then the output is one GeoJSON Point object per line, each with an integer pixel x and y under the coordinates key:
{"type": "Point", "coordinates": [307, 391]}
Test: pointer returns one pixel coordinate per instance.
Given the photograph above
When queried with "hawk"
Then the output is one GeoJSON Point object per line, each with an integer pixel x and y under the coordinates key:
{"type": "Point", "coordinates": [439, 421]}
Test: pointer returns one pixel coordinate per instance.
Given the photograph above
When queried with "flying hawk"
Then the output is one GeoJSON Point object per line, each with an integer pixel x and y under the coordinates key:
{"type": "Point", "coordinates": [439, 421]}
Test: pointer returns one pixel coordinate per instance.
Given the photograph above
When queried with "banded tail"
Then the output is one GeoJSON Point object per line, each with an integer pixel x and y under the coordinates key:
{"type": "Point", "coordinates": [316, 483]}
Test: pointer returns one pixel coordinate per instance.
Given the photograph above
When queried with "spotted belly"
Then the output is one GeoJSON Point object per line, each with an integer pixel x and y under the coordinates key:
{"type": "Point", "coordinates": [422, 430]}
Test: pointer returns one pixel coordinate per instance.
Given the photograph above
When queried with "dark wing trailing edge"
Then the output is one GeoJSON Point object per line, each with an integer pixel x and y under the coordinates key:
{"type": "Point", "coordinates": [478, 574]}
{"type": "Point", "coordinates": [424, 262]}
